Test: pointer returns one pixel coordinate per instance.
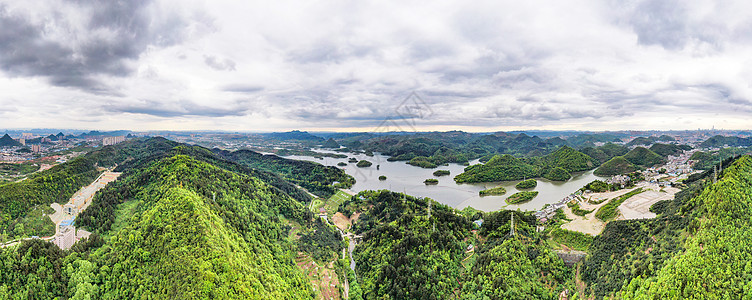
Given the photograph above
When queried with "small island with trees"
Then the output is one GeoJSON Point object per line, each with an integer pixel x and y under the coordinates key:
{"type": "Point", "coordinates": [527, 184]}
{"type": "Point", "coordinates": [521, 197]}
{"type": "Point", "coordinates": [364, 164]}
{"type": "Point", "coordinates": [431, 181]}
{"type": "Point", "coordinates": [500, 190]}
{"type": "Point", "coordinates": [382, 177]}
{"type": "Point", "coordinates": [440, 173]}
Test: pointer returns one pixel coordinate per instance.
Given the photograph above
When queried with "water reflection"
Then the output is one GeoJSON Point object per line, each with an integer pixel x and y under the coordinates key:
{"type": "Point", "coordinates": [402, 177]}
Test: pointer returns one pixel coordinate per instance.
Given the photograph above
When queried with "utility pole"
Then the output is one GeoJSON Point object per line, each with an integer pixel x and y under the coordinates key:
{"type": "Point", "coordinates": [433, 228]}
{"type": "Point", "coordinates": [511, 228]}
{"type": "Point", "coordinates": [720, 165]}
{"type": "Point", "coordinates": [715, 174]}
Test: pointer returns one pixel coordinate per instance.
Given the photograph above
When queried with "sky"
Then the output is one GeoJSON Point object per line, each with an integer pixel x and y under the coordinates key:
{"type": "Point", "coordinates": [375, 65]}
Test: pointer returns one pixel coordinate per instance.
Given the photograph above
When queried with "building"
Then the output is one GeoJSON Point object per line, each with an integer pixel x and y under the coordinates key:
{"type": "Point", "coordinates": [67, 223]}
{"type": "Point", "coordinates": [36, 148]}
{"type": "Point", "coordinates": [70, 209]}
{"type": "Point", "coordinates": [112, 140]}
{"type": "Point", "coordinates": [27, 135]}
{"type": "Point", "coordinates": [66, 236]}
{"type": "Point", "coordinates": [22, 141]}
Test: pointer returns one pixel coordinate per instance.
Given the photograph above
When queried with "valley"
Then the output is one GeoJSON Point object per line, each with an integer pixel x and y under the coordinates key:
{"type": "Point", "coordinates": [241, 224]}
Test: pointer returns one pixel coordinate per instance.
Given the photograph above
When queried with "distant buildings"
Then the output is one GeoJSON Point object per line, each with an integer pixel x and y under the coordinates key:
{"type": "Point", "coordinates": [36, 148]}
{"type": "Point", "coordinates": [622, 180]}
{"type": "Point", "coordinates": [22, 141]}
{"type": "Point", "coordinates": [109, 141]}
{"type": "Point", "coordinates": [27, 135]}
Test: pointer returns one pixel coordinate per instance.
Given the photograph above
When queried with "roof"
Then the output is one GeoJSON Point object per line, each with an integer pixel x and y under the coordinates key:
{"type": "Point", "coordinates": [68, 222]}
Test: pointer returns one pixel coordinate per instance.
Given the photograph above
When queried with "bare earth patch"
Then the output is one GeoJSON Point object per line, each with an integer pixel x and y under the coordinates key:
{"type": "Point", "coordinates": [323, 279]}
{"type": "Point", "coordinates": [342, 222]}
{"type": "Point", "coordinates": [638, 206]}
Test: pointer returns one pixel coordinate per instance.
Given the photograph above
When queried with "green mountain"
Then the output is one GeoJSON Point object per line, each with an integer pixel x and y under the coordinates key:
{"type": "Point", "coordinates": [507, 167]}
{"type": "Point", "coordinates": [318, 179]}
{"type": "Point", "coordinates": [719, 247]}
{"type": "Point", "coordinates": [603, 153]}
{"type": "Point", "coordinates": [644, 157]}
{"type": "Point", "coordinates": [331, 143]}
{"type": "Point", "coordinates": [697, 247]}
{"type": "Point", "coordinates": [665, 150]}
{"type": "Point", "coordinates": [187, 242]}
{"type": "Point", "coordinates": [295, 135]}
{"type": "Point", "coordinates": [616, 166]}
{"type": "Point", "coordinates": [499, 168]}
{"type": "Point", "coordinates": [7, 141]}
{"type": "Point", "coordinates": [665, 138]}
{"type": "Point", "coordinates": [186, 222]}
{"type": "Point", "coordinates": [719, 141]}
{"type": "Point", "coordinates": [568, 159]}
{"type": "Point", "coordinates": [180, 223]}
{"type": "Point", "coordinates": [558, 174]}
{"type": "Point", "coordinates": [408, 254]}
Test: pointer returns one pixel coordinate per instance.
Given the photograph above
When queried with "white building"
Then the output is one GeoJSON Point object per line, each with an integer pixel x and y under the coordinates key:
{"type": "Point", "coordinates": [108, 141]}
{"type": "Point", "coordinates": [66, 237]}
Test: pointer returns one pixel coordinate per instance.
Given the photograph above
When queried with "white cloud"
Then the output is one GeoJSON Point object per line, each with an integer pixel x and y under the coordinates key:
{"type": "Point", "coordinates": [281, 65]}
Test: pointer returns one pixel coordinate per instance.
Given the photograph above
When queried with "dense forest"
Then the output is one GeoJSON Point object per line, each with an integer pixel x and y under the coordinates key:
{"type": "Point", "coordinates": [705, 160]}
{"type": "Point", "coordinates": [720, 141]}
{"type": "Point", "coordinates": [183, 224]}
{"type": "Point", "coordinates": [438, 148]}
{"type": "Point", "coordinates": [186, 222]}
{"type": "Point", "coordinates": [643, 157]}
{"type": "Point", "coordinates": [414, 248]}
{"type": "Point", "coordinates": [636, 159]}
{"type": "Point", "coordinates": [665, 150]}
{"type": "Point", "coordinates": [616, 166]}
{"type": "Point", "coordinates": [318, 179]}
{"type": "Point", "coordinates": [554, 166]}
{"type": "Point", "coordinates": [604, 153]}
{"type": "Point", "coordinates": [702, 233]}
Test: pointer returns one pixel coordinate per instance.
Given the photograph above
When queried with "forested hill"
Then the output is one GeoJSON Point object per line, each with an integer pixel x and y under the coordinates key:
{"type": "Point", "coordinates": [715, 264]}
{"type": "Point", "coordinates": [318, 179]}
{"type": "Point", "coordinates": [698, 247]}
{"type": "Point", "coordinates": [202, 232]}
{"type": "Point", "coordinates": [180, 223]}
{"type": "Point", "coordinates": [555, 166]}
{"type": "Point", "coordinates": [415, 248]}
{"type": "Point", "coordinates": [22, 203]}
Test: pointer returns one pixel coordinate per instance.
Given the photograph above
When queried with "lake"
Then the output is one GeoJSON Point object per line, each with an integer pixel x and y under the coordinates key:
{"type": "Point", "coordinates": [402, 177]}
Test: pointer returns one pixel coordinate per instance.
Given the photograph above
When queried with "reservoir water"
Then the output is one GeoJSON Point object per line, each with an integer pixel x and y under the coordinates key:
{"type": "Point", "coordinates": [402, 177]}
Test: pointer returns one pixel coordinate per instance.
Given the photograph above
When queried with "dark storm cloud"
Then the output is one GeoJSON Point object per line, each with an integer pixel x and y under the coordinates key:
{"type": "Point", "coordinates": [116, 33]}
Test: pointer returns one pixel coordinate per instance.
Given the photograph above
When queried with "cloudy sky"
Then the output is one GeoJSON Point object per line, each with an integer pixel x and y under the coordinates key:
{"type": "Point", "coordinates": [350, 65]}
